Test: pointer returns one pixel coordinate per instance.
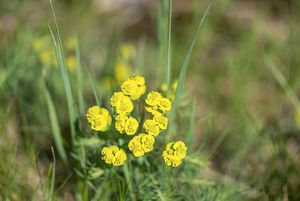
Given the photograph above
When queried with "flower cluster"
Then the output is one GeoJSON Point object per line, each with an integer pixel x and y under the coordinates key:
{"type": "Point", "coordinates": [113, 155]}
{"type": "Point", "coordinates": [174, 153]}
{"type": "Point", "coordinates": [170, 93]}
{"type": "Point", "coordinates": [142, 142]}
{"type": "Point", "coordinates": [99, 118]}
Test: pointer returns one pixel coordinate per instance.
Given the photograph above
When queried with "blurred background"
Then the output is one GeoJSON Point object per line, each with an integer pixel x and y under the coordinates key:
{"type": "Point", "coordinates": [246, 119]}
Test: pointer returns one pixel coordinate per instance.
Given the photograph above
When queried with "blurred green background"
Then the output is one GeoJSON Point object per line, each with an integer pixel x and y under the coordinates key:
{"type": "Point", "coordinates": [245, 118]}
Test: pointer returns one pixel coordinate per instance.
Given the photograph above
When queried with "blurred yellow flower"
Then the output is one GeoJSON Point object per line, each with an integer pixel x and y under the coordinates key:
{"type": "Point", "coordinates": [131, 126]}
{"type": "Point", "coordinates": [113, 155]}
{"type": "Point", "coordinates": [116, 98]}
{"type": "Point", "coordinates": [174, 86]}
{"type": "Point", "coordinates": [151, 127]}
{"type": "Point", "coordinates": [164, 87]}
{"type": "Point", "coordinates": [38, 44]}
{"type": "Point", "coordinates": [174, 153]}
{"type": "Point", "coordinates": [45, 57]}
{"type": "Point", "coordinates": [141, 144]}
{"type": "Point", "coordinates": [122, 71]}
{"type": "Point", "coordinates": [71, 43]}
{"type": "Point", "coordinates": [99, 118]}
{"type": "Point", "coordinates": [71, 62]}
{"type": "Point", "coordinates": [152, 110]}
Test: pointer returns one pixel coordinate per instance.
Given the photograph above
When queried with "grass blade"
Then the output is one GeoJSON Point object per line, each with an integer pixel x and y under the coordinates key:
{"type": "Point", "coordinates": [79, 80]}
{"type": "Point", "coordinates": [64, 74]}
{"type": "Point", "coordinates": [58, 139]}
{"type": "Point", "coordinates": [169, 71]}
{"type": "Point", "coordinates": [184, 68]}
{"type": "Point", "coordinates": [92, 85]}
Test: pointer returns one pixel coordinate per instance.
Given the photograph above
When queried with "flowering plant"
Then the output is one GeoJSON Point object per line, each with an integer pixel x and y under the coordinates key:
{"type": "Point", "coordinates": [137, 122]}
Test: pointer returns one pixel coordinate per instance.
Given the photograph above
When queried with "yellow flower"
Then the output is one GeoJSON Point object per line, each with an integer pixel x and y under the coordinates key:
{"type": "Point", "coordinates": [127, 51]}
{"type": "Point", "coordinates": [116, 98]}
{"type": "Point", "coordinates": [147, 143]}
{"type": "Point", "coordinates": [174, 86]}
{"type": "Point", "coordinates": [134, 87]}
{"type": "Point", "coordinates": [122, 103]}
{"type": "Point", "coordinates": [174, 153]}
{"type": "Point", "coordinates": [45, 57]}
{"type": "Point", "coordinates": [141, 144]}
{"type": "Point", "coordinates": [164, 104]}
{"type": "Point", "coordinates": [71, 63]}
{"type": "Point", "coordinates": [122, 71]}
{"type": "Point", "coordinates": [99, 118]}
{"type": "Point", "coordinates": [71, 43]}
{"type": "Point", "coordinates": [120, 123]}
{"type": "Point", "coordinates": [125, 106]}
{"type": "Point", "coordinates": [38, 44]}
{"type": "Point", "coordinates": [153, 98]}
{"type": "Point", "coordinates": [135, 146]}
{"type": "Point", "coordinates": [164, 87]}
{"type": "Point", "coordinates": [113, 155]}
{"type": "Point", "coordinates": [151, 127]}
{"type": "Point", "coordinates": [161, 120]}
{"type": "Point", "coordinates": [131, 126]}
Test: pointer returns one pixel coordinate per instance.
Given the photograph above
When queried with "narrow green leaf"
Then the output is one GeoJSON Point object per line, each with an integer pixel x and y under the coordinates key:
{"type": "Point", "coordinates": [183, 70]}
{"type": "Point", "coordinates": [56, 133]}
{"type": "Point", "coordinates": [64, 73]}
{"type": "Point", "coordinates": [79, 80]}
{"type": "Point", "coordinates": [169, 71]}
{"type": "Point", "coordinates": [92, 85]}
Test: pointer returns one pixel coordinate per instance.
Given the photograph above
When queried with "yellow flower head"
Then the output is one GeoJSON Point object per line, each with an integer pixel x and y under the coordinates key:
{"type": "Point", "coordinates": [164, 87]}
{"type": "Point", "coordinates": [122, 103]}
{"type": "Point", "coordinates": [141, 144]}
{"type": "Point", "coordinates": [99, 118]}
{"type": "Point", "coordinates": [134, 87]}
{"type": "Point", "coordinates": [120, 123]}
{"type": "Point", "coordinates": [45, 57]}
{"type": "Point", "coordinates": [151, 127]}
{"type": "Point", "coordinates": [113, 155]}
{"type": "Point", "coordinates": [153, 98]}
{"type": "Point", "coordinates": [174, 153]}
{"type": "Point", "coordinates": [165, 104]}
{"type": "Point", "coordinates": [174, 86]}
{"type": "Point", "coordinates": [71, 43]}
{"type": "Point", "coordinates": [71, 63]}
{"type": "Point", "coordinates": [122, 71]}
{"type": "Point", "coordinates": [38, 44]}
{"type": "Point", "coordinates": [131, 126]}
{"type": "Point", "coordinates": [161, 120]}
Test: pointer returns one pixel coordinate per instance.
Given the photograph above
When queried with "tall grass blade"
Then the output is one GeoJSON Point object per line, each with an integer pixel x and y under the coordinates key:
{"type": "Point", "coordinates": [184, 68]}
{"type": "Point", "coordinates": [92, 85]}
{"type": "Point", "coordinates": [58, 139]}
{"type": "Point", "coordinates": [79, 82]}
{"type": "Point", "coordinates": [169, 71]}
{"type": "Point", "coordinates": [64, 74]}
{"type": "Point", "coordinates": [52, 168]}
